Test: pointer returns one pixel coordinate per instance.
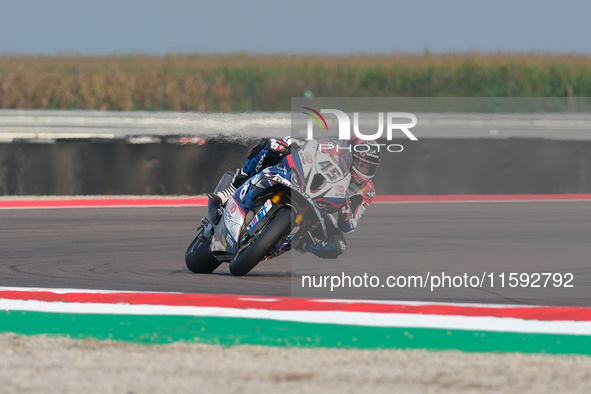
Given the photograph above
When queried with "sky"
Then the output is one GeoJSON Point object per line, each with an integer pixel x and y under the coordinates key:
{"type": "Point", "coordinates": [85, 27]}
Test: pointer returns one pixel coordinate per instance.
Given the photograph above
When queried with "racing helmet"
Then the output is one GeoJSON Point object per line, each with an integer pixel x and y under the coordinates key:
{"type": "Point", "coordinates": [366, 159]}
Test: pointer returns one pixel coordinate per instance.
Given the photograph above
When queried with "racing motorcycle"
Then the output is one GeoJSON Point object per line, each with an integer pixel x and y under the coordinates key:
{"type": "Point", "coordinates": [274, 210]}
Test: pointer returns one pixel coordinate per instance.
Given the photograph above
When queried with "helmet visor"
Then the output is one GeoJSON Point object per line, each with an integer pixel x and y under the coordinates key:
{"type": "Point", "coordinates": [365, 167]}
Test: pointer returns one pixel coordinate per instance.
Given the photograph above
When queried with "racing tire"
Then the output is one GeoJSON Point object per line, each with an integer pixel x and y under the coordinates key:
{"type": "Point", "coordinates": [198, 258]}
{"type": "Point", "coordinates": [269, 237]}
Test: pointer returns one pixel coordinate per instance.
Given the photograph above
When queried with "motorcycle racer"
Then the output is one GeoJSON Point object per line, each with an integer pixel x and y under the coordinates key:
{"type": "Point", "coordinates": [360, 193]}
{"type": "Point", "coordinates": [266, 153]}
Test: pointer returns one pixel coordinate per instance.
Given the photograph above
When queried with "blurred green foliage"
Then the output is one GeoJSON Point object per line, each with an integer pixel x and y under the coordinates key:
{"type": "Point", "coordinates": [240, 82]}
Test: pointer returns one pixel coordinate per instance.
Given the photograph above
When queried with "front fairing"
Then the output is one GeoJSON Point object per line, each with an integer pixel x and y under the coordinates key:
{"type": "Point", "coordinates": [320, 176]}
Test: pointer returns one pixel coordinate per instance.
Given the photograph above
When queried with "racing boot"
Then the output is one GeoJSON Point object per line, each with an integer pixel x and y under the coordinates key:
{"type": "Point", "coordinates": [221, 198]}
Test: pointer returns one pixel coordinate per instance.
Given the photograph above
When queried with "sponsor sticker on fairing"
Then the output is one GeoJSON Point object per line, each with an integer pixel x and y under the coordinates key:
{"type": "Point", "coordinates": [260, 215]}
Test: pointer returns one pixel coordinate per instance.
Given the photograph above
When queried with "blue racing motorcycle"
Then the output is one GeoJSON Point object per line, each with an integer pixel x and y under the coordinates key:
{"type": "Point", "coordinates": [274, 210]}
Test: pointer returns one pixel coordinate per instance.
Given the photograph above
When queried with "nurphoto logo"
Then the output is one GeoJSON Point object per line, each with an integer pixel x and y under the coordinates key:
{"type": "Point", "coordinates": [345, 126]}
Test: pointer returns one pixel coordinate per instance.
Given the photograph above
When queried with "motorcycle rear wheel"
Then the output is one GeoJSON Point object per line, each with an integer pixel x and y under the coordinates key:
{"type": "Point", "coordinates": [198, 258]}
{"type": "Point", "coordinates": [269, 237]}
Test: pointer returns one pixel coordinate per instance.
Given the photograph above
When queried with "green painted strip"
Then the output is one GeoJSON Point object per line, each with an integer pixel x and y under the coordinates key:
{"type": "Point", "coordinates": [243, 331]}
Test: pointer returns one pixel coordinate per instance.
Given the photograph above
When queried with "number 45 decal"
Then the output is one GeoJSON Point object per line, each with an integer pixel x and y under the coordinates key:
{"type": "Point", "coordinates": [330, 170]}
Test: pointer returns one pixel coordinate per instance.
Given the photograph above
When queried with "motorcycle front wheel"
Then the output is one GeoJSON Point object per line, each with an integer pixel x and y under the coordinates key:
{"type": "Point", "coordinates": [198, 258]}
{"type": "Point", "coordinates": [261, 246]}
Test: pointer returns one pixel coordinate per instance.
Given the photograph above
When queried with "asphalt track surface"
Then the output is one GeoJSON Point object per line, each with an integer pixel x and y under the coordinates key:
{"type": "Point", "coordinates": [142, 249]}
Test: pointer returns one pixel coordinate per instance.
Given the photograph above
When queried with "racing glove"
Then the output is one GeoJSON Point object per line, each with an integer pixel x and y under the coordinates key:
{"type": "Point", "coordinates": [347, 220]}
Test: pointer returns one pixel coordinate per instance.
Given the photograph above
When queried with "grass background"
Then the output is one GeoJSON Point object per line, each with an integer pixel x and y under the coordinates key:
{"type": "Point", "coordinates": [240, 82]}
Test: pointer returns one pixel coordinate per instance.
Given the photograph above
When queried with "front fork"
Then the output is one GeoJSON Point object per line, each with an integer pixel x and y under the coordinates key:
{"type": "Point", "coordinates": [278, 196]}
{"type": "Point", "coordinates": [297, 221]}
{"type": "Point", "coordinates": [277, 199]}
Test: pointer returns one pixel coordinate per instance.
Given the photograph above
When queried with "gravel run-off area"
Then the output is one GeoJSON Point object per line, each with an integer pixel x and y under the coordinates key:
{"type": "Point", "coordinates": [42, 364]}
